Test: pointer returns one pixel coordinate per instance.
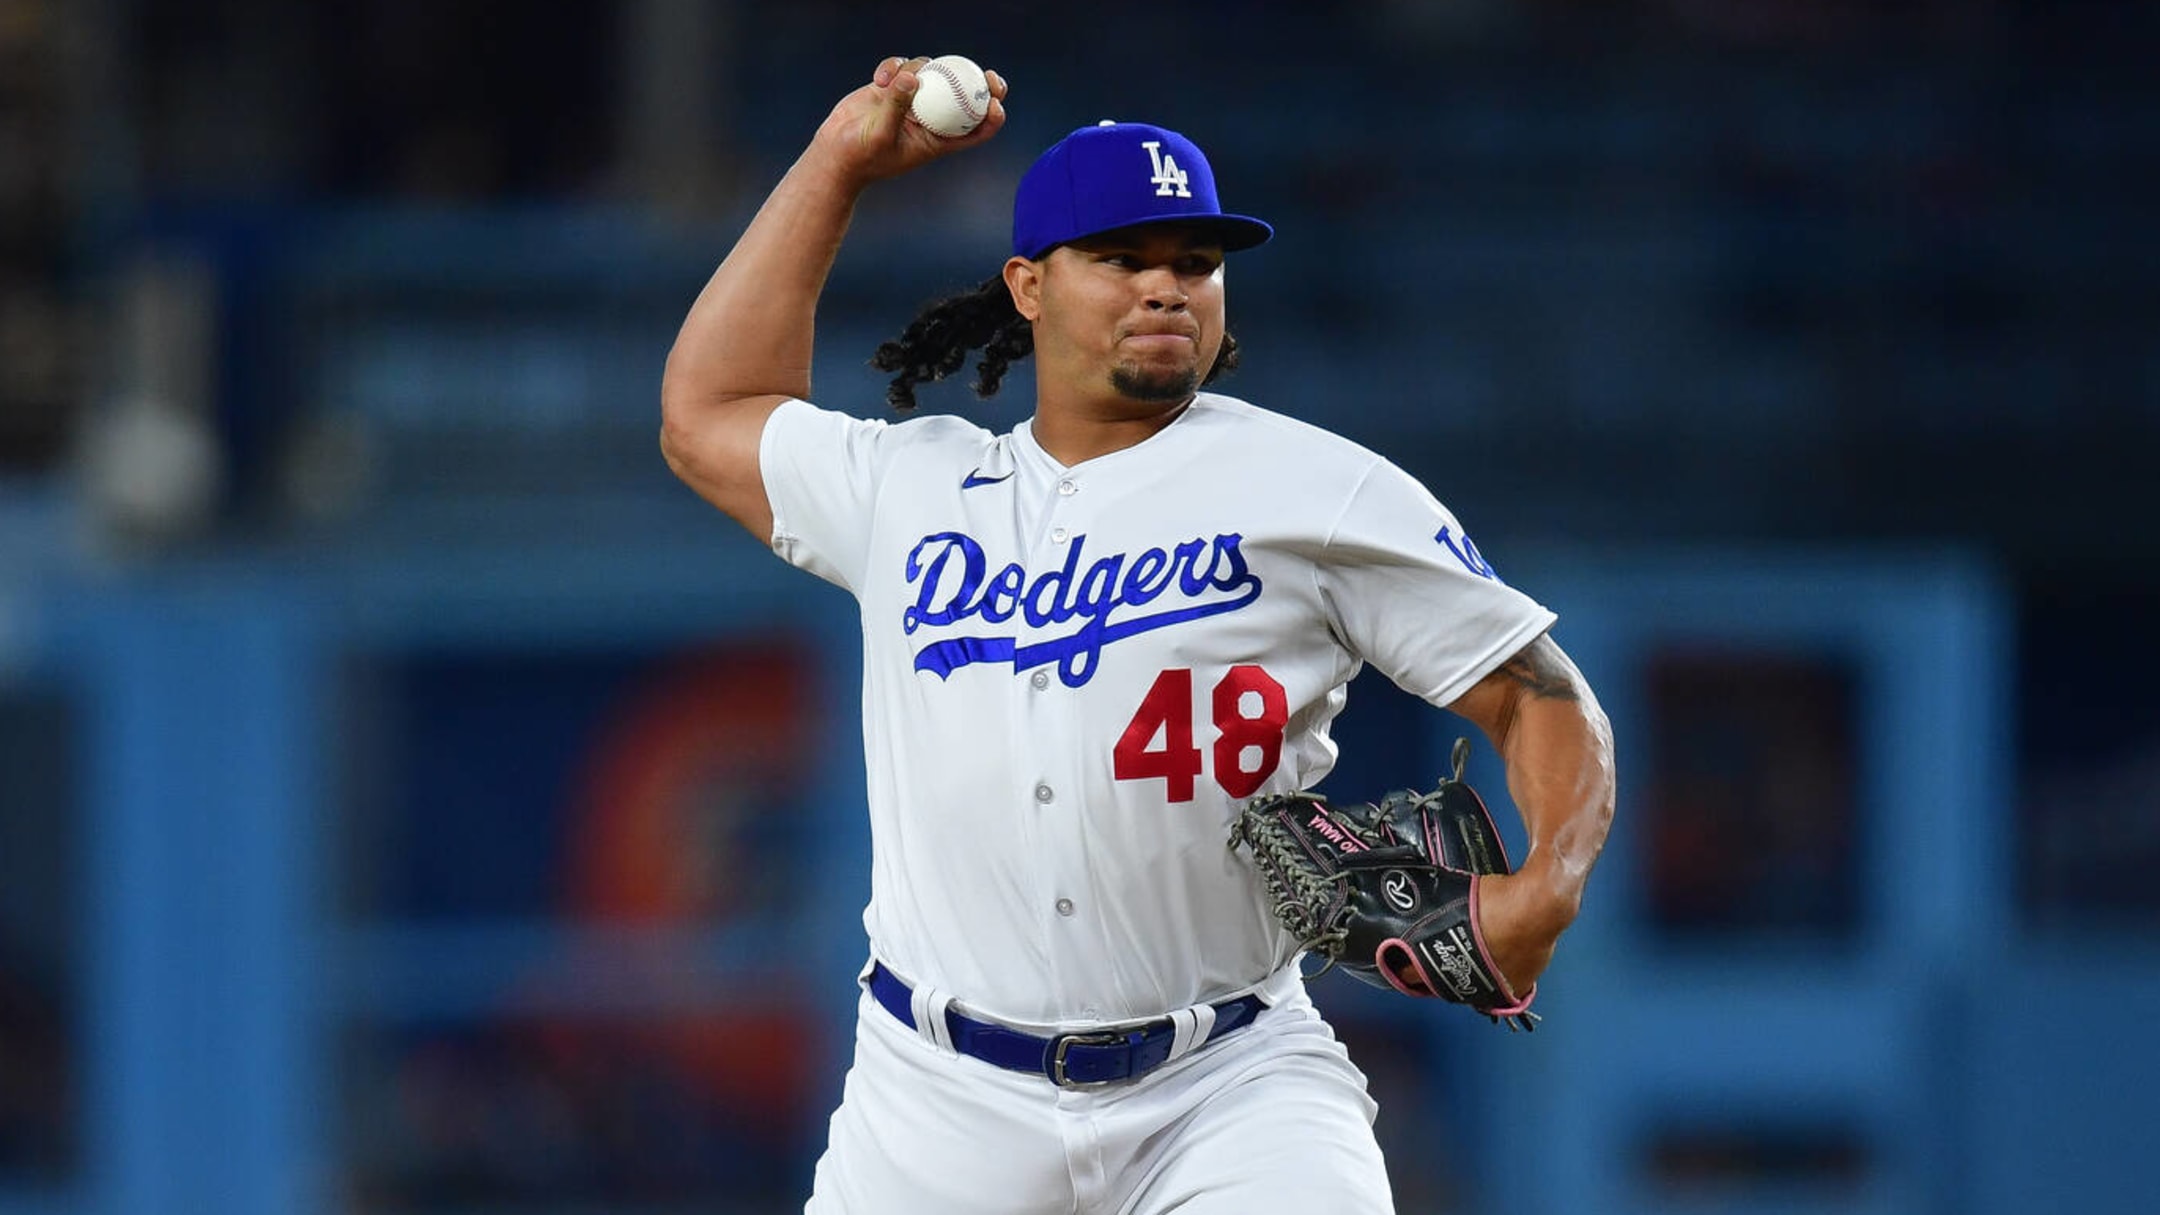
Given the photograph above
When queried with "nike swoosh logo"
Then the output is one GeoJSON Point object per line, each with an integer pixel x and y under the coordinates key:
{"type": "Point", "coordinates": [974, 479]}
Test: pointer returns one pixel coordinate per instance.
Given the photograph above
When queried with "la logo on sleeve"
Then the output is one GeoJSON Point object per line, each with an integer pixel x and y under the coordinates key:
{"type": "Point", "coordinates": [1467, 553]}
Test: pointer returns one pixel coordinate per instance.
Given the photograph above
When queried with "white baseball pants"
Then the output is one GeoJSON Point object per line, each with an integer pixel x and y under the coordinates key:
{"type": "Point", "coordinates": [1273, 1118]}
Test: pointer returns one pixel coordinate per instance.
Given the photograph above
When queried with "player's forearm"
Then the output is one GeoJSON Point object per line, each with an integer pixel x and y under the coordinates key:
{"type": "Point", "coordinates": [750, 333]}
{"type": "Point", "coordinates": [1558, 748]}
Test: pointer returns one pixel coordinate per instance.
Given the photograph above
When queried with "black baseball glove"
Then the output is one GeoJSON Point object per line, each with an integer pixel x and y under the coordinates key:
{"type": "Point", "coordinates": [1389, 892]}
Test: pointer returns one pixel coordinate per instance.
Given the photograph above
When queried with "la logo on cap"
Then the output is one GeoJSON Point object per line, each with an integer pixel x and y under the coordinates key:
{"type": "Point", "coordinates": [1168, 180]}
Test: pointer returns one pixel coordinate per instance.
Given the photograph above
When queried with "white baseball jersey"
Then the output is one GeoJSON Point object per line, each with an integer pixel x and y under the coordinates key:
{"type": "Point", "coordinates": [1074, 675]}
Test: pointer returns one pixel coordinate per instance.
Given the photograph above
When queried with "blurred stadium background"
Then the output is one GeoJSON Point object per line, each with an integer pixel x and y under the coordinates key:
{"type": "Point", "coordinates": [412, 801]}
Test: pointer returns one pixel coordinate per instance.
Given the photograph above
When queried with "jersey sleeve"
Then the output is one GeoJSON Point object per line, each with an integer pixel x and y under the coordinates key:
{"type": "Point", "coordinates": [821, 471]}
{"type": "Point", "coordinates": [1410, 593]}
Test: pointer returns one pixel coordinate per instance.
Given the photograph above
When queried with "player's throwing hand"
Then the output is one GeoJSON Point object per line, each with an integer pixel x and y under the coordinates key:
{"type": "Point", "coordinates": [870, 137]}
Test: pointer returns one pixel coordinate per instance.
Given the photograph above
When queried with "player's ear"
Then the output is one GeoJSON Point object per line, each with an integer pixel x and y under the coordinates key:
{"type": "Point", "coordinates": [1024, 279]}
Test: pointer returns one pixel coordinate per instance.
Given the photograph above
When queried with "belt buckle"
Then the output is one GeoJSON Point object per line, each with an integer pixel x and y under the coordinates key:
{"type": "Point", "coordinates": [1066, 1042]}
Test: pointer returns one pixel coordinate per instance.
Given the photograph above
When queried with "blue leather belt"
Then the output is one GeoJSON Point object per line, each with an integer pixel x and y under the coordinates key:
{"type": "Point", "coordinates": [1067, 1060]}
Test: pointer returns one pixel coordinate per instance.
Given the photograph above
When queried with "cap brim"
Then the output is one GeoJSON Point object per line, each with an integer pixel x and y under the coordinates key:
{"type": "Point", "coordinates": [1235, 231]}
{"type": "Point", "coordinates": [1243, 232]}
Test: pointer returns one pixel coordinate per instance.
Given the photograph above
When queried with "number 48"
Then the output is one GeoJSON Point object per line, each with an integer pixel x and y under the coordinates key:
{"type": "Point", "coordinates": [1167, 712]}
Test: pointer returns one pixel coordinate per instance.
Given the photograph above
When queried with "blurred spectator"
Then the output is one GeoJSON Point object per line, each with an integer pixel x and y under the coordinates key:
{"type": "Point", "coordinates": [1751, 813]}
{"type": "Point", "coordinates": [37, 1100]}
{"type": "Point", "coordinates": [37, 369]}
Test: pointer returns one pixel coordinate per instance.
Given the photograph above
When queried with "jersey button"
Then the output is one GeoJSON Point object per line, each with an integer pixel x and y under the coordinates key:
{"type": "Point", "coordinates": [1041, 680]}
{"type": "Point", "coordinates": [1065, 906]}
{"type": "Point", "coordinates": [1043, 794]}
{"type": "Point", "coordinates": [1057, 535]}
{"type": "Point", "coordinates": [1067, 489]}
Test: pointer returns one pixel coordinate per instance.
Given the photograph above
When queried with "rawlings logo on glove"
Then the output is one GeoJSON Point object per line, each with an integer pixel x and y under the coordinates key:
{"type": "Point", "coordinates": [1389, 892]}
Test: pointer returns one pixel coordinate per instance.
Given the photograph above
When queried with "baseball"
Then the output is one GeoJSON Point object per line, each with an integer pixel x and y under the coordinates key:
{"type": "Point", "coordinates": [954, 97]}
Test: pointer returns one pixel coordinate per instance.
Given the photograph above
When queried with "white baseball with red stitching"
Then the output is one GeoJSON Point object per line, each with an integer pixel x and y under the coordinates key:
{"type": "Point", "coordinates": [954, 96]}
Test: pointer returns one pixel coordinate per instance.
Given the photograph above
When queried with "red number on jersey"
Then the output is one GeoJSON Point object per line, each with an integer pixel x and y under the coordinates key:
{"type": "Point", "coordinates": [1239, 731]}
{"type": "Point", "coordinates": [1166, 710]}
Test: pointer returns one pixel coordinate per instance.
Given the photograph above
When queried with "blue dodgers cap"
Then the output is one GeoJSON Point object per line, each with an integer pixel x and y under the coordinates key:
{"type": "Point", "coordinates": [1117, 174]}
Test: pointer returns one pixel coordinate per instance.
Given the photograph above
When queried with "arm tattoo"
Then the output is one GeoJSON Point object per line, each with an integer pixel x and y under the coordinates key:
{"type": "Point", "coordinates": [1542, 670]}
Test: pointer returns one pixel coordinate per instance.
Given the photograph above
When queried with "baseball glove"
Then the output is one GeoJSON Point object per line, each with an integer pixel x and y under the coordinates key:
{"type": "Point", "coordinates": [1389, 892]}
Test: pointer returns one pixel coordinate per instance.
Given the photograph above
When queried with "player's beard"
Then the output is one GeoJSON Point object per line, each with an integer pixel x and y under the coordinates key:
{"type": "Point", "coordinates": [1161, 387]}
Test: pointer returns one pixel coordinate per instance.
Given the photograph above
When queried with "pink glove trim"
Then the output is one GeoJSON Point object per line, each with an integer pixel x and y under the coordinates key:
{"type": "Point", "coordinates": [1477, 934]}
{"type": "Point", "coordinates": [1380, 958]}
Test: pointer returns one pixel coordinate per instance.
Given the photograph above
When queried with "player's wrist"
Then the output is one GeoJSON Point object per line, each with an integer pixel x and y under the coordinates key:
{"type": "Point", "coordinates": [1550, 897]}
{"type": "Point", "coordinates": [827, 170]}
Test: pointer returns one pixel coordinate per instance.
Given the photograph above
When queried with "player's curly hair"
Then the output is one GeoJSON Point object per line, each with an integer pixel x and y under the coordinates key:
{"type": "Point", "coordinates": [937, 342]}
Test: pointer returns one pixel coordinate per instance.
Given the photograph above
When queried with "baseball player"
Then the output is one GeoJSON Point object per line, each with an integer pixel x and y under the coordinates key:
{"type": "Point", "coordinates": [1087, 641]}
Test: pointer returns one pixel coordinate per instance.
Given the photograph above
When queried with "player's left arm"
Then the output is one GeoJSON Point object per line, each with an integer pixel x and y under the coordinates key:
{"type": "Point", "coordinates": [1546, 724]}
